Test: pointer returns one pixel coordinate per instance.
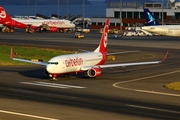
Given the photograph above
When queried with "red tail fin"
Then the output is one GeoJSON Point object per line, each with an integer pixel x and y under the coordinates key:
{"type": "Point", "coordinates": [104, 38]}
{"type": "Point", "coordinates": [3, 15]}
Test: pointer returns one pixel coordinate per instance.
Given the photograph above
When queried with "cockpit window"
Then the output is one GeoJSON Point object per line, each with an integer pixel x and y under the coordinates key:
{"type": "Point", "coordinates": [55, 63]}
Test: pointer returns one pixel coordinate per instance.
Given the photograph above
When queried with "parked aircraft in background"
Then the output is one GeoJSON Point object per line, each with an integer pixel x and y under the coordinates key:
{"type": "Point", "coordinates": [53, 25]}
{"type": "Point", "coordinates": [89, 62]}
{"type": "Point", "coordinates": [150, 20]}
{"type": "Point", "coordinates": [155, 27]}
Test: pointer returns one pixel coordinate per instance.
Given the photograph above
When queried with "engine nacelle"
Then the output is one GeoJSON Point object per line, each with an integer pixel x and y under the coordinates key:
{"type": "Point", "coordinates": [95, 72]}
{"type": "Point", "coordinates": [53, 29]}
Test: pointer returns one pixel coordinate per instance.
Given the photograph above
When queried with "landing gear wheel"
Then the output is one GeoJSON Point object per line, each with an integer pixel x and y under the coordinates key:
{"type": "Point", "coordinates": [54, 77]}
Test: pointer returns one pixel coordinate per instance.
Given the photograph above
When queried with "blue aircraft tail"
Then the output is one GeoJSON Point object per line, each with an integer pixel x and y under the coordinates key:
{"type": "Point", "coordinates": [149, 18]}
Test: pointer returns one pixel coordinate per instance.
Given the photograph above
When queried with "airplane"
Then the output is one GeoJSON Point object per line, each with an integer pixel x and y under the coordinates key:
{"type": "Point", "coordinates": [155, 27]}
{"type": "Point", "coordinates": [54, 25]}
{"type": "Point", "coordinates": [89, 62]}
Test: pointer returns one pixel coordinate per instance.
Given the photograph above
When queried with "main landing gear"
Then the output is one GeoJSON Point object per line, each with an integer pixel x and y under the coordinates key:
{"type": "Point", "coordinates": [54, 77]}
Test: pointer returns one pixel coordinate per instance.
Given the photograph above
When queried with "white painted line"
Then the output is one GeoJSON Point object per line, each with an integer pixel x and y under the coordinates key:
{"type": "Point", "coordinates": [55, 85]}
{"type": "Point", "coordinates": [117, 85]}
{"type": "Point", "coordinates": [27, 115]}
{"type": "Point", "coordinates": [153, 76]}
{"type": "Point", "coordinates": [148, 91]}
{"type": "Point", "coordinates": [71, 86]}
{"type": "Point", "coordinates": [151, 108]}
{"type": "Point", "coordinates": [160, 93]}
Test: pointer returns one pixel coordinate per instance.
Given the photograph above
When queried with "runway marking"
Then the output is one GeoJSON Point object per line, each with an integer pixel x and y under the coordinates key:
{"type": "Point", "coordinates": [116, 85]}
{"type": "Point", "coordinates": [54, 85]}
{"type": "Point", "coordinates": [151, 108]}
{"type": "Point", "coordinates": [27, 115]}
{"type": "Point", "coordinates": [153, 76]}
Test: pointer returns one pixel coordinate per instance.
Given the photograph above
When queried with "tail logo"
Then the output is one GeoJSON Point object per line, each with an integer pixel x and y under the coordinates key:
{"type": "Point", "coordinates": [2, 14]}
{"type": "Point", "coordinates": [105, 35]}
{"type": "Point", "coordinates": [150, 17]}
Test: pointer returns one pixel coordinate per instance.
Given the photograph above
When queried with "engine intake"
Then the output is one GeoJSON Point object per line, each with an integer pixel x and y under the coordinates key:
{"type": "Point", "coordinates": [95, 72]}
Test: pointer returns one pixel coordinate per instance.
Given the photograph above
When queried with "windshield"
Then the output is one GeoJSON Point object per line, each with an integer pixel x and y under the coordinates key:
{"type": "Point", "coordinates": [55, 63]}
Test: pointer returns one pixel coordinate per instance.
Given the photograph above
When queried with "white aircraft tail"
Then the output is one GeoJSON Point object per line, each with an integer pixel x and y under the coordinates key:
{"type": "Point", "coordinates": [104, 39]}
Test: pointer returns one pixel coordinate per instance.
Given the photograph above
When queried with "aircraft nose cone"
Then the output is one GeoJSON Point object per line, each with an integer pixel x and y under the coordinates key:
{"type": "Point", "coordinates": [51, 69]}
{"type": "Point", "coordinates": [48, 69]}
{"type": "Point", "coordinates": [144, 28]}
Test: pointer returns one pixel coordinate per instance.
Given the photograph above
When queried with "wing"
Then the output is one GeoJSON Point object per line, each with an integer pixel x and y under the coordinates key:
{"type": "Point", "coordinates": [123, 52]}
{"type": "Point", "coordinates": [126, 64]}
{"type": "Point", "coordinates": [137, 63]}
{"type": "Point", "coordinates": [24, 60]}
{"type": "Point", "coordinates": [84, 50]}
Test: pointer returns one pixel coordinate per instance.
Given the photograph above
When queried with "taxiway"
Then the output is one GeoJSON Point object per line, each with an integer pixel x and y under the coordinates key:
{"type": "Point", "coordinates": [132, 93]}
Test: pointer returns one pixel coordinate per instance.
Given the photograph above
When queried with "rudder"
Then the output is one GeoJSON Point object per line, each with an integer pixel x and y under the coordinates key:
{"type": "Point", "coordinates": [149, 18]}
{"type": "Point", "coordinates": [104, 38]}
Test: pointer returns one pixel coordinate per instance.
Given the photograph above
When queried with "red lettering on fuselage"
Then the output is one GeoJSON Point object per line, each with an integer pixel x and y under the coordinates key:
{"type": "Point", "coordinates": [70, 62]}
{"type": "Point", "coordinates": [54, 23]}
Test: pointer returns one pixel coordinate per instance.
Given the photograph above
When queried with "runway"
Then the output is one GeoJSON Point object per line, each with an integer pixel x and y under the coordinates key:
{"type": "Point", "coordinates": [131, 93]}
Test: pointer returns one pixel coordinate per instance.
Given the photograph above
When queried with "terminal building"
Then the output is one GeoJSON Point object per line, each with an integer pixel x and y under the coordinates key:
{"type": "Point", "coordinates": [133, 15]}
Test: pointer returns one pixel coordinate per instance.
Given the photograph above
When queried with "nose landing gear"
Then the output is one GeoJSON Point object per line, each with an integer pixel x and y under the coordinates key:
{"type": "Point", "coordinates": [54, 77]}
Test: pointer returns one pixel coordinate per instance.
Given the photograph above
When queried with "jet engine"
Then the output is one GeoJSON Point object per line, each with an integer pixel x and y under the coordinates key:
{"type": "Point", "coordinates": [95, 72]}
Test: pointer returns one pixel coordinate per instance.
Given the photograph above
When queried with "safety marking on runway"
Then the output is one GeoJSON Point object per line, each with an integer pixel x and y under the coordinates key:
{"type": "Point", "coordinates": [117, 85]}
{"type": "Point", "coordinates": [27, 115]}
{"type": "Point", "coordinates": [151, 108]}
{"type": "Point", "coordinates": [153, 76]}
{"type": "Point", "coordinates": [54, 85]}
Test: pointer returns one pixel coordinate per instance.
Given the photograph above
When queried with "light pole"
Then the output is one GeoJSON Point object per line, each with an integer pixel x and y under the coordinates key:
{"type": "Point", "coordinates": [83, 14]}
{"type": "Point", "coordinates": [58, 9]}
{"type": "Point", "coordinates": [28, 7]}
{"type": "Point", "coordinates": [120, 16]}
{"type": "Point", "coordinates": [162, 12]}
{"type": "Point", "coordinates": [67, 9]}
{"type": "Point", "coordinates": [35, 7]}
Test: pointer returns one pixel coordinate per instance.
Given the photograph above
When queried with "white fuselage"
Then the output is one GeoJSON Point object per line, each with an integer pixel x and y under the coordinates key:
{"type": "Point", "coordinates": [50, 22]}
{"type": "Point", "coordinates": [167, 30]}
{"type": "Point", "coordinates": [72, 62]}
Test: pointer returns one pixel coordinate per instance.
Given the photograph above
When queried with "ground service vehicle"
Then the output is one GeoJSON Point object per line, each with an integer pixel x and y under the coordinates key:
{"type": "Point", "coordinates": [78, 35]}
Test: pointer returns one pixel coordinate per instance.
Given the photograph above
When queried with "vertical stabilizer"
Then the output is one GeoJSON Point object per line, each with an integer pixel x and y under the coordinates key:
{"type": "Point", "coordinates": [3, 15]}
{"type": "Point", "coordinates": [104, 38]}
{"type": "Point", "coordinates": [149, 18]}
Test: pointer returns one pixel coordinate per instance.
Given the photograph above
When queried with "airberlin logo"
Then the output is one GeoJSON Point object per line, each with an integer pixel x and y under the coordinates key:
{"type": "Point", "coordinates": [2, 14]}
{"type": "Point", "coordinates": [70, 62]}
{"type": "Point", "coordinates": [105, 35]}
{"type": "Point", "coordinates": [51, 22]}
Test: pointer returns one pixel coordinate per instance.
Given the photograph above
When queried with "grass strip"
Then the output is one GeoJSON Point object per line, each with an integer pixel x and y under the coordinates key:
{"type": "Point", "coordinates": [28, 53]}
{"type": "Point", "coordinates": [173, 86]}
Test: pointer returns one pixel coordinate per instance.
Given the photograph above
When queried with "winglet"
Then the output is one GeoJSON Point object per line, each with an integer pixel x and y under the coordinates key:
{"type": "Point", "coordinates": [11, 54]}
{"type": "Point", "coordinates": [165, 57]}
